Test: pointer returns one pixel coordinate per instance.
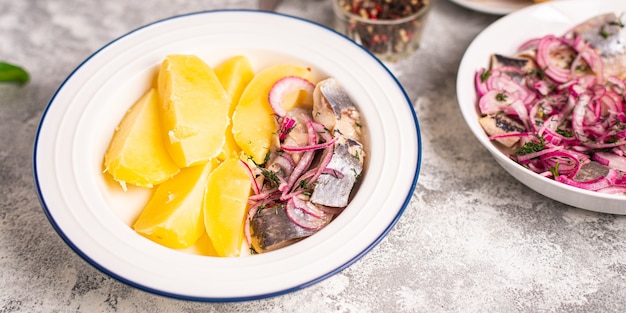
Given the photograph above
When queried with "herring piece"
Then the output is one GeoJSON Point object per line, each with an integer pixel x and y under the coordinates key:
{"type": "Point", "coordinates": [500, 124]}
{"type": "Point", "coordinates": [591, 171]}
{"type": "Point", "coordinates": [333, 107]}
{"type": "Point", "coordinates": [520, 61]}
{"type": "Point", "coordinates": [607, 35]}
{"type": "Point", "coordinates": [271, 229]}
{"type": "Point", "coordinates": [334, 191]}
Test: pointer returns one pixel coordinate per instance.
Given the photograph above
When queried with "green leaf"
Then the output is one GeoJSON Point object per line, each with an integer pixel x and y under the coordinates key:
{"type": "Point", "coordinates": [13, 73]}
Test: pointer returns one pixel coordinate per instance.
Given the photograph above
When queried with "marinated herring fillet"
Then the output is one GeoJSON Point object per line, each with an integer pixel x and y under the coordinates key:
{"type": "Point", "coordinates": [558, 105]}
{"type": "Point", "coordinates": [334, 108]}
{"type": "Point", "coordinates": [308, 178]}
{"type": "Point", "coordinates": [272, 229]}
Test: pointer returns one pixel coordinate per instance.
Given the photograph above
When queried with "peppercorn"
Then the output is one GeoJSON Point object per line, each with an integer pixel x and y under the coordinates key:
{"type": "Point", "coordinates": [382, 38]}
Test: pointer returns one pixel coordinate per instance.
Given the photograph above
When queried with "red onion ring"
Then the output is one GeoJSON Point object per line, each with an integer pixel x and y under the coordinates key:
{"type": "Point", "coordinates": [282, 87]}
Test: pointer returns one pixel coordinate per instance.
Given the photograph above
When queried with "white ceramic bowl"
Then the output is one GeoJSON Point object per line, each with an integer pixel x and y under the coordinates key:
{"type": "Point", "coordinates": [496, 7]}
{"type": "Point", "coordinates": [93, 216]}
{"type": "Point", "coordinates": [504, 36]}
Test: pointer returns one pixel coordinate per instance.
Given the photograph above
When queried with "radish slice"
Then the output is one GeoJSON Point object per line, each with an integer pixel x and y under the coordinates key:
{"type": "Point", "coordinates": [284, 86]}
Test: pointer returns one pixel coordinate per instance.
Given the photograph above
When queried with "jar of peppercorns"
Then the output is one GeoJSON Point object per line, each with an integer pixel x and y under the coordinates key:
{"type": "Point", "coordinates": [389, 29]}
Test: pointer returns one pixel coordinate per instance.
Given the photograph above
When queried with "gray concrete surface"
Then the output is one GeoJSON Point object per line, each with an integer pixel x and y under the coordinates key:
{"type": "Point", "coordinates": [472, 239]}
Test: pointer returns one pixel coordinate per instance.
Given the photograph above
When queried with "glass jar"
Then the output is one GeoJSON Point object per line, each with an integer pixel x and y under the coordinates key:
{"type": "Point", "coordinates": [389, 29]}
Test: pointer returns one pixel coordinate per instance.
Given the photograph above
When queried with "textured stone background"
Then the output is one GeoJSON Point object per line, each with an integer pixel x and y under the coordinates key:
{"type": "Point", "coordinates": [473, 239]}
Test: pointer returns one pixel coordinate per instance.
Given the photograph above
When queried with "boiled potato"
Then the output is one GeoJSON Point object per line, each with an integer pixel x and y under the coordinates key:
{"type": "Point", "coordinates": [235, 73]}
{"type": "Point", "coordinates": [136, 154]}
{"type": "Point", "coordinates": [173, 216]}
{"type": "Point", "coordinates": [254, 126]}
{"type": "Point", "coordinates": [194, 109]}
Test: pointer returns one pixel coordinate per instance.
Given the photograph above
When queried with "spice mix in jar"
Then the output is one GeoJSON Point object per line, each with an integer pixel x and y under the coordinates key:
{"type": "Point", "coordinates": [390, 29]}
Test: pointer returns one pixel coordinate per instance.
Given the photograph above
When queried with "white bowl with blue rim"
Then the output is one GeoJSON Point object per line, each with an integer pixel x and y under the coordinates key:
{"type": "Point", "coordinates": [93, 217]}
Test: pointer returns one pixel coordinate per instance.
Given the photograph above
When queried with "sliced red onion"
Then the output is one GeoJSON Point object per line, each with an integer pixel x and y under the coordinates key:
{"type": "Point", "coordinates": [303, 164]}
{"type": "Point", "coordinates": [610, 159]}
{"type": "Point", "coordinates": [617, 85]}
{"type": "Point", "coordinates": [612, 102]}
{"type": "Point", "coordinates": [330, 210]}
{"type": "Point", "coordinates": [544, 49]}
{"type": "Point", "coordinates": [594, 184]}
{"type": "Point", "coordinates": [246, 228]}
{"type": "Point", "coordinates": [286, 125]}
{"type": "Point", "coordinates": [530, 44]}
{"type": "Point", "coordinates": [586, 52]}
{"type": "Point", "coordinates": [605, 145]}
{"type": "Point", "coordinates": [494, 101]}
{"type": "Point", "coordinates": [578, 115]}
{"type": "Point", "coordinates": [311, 173]}
{"type": "Point", "coordinates": [304, 220]}
{"type": "Point", "coordinates": [542, 86]}
{"type": "Point", "coordinates": [501, 79]}
{"type": "Point", "coordinates": [568, 162]}
{"type": "Point", "coordinates": [255, 186]}
{"type": "Point", "coordinates": [310, 147]}
{"type": "Point", "coordinates": [526, 157]}
{"type": "Point", "coordinates": [508, 135]}
{"type": "Point", "coordinates": [322, 131]}
{"type": "Point", "coordinates": [310, 127]}
{"type": "Point", "coordinates": [481, 87]}
{"type": "Point", "coordinates": [263, 195]}
{"type": "Point", "coordinates": [308, 207]}
{"type": "Point", "coordinates": [282, 87]}
{"type": "Point", "coordinates": [285, 161]}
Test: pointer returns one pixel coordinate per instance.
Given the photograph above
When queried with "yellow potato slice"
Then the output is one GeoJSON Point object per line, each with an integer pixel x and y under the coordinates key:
{"type": "Point", "coordinates": [136, 154]}
{"type": "Point", "coordinates": [173, 216]}
{"type": "Point", "coordinates": [254, 122]}
{"type": "Point", "coordinates": [234, 74]}
{"type": "Point", "coordinates": [194, 109]}
{"type": "Point", "coordinates": [225, 206]}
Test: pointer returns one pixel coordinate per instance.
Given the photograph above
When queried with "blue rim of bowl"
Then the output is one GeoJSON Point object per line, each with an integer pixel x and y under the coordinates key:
{"type": "Point", "coordinates": [122, 279]}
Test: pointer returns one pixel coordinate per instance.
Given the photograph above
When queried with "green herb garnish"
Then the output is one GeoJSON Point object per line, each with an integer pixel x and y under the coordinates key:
{"type": "Point", "coordinates": [555, 170]}
{"type": "Point", "coordinates": [267, 158]}
{"type": "Point", "coordinates": [357, 154]}
{"type": "Point", "coordinates": [356, 175]}
{"type": "Point", "coordinates": [618, 22]}
{"type": "Point", "coordinates": [270, 177]}
{"type": "Point", "coordinates": [540, 73]}
{"type": "Point", "coordinates": [485, 75]}
{"type": "Point", "coordinates": [565, 133]}
{"type": "Point", "coordinates": [531, 147]}
{"type": "Point", "coordinates": [605, 34]}
{"type": "Point", "coordinates": [303, 184]}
